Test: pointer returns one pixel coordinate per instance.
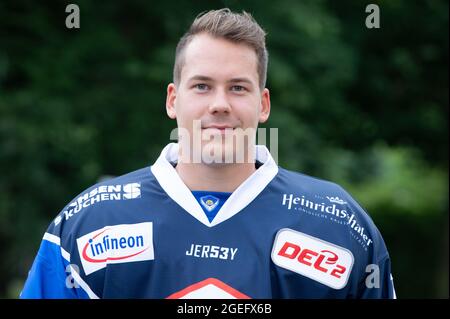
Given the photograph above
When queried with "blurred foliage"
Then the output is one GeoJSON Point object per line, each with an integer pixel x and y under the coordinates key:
{"type": "Point", "coordinates": [366, 108]}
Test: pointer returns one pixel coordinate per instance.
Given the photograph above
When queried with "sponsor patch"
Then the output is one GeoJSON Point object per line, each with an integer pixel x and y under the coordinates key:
{"type": "Point", "coordinates": [336, 210]}
{"type": "Point", "coordinates": [116, 244]}
{"type": "Point", "coordinates": [312, 257]}
{"type": "Point", "coordinates": [100, 194]}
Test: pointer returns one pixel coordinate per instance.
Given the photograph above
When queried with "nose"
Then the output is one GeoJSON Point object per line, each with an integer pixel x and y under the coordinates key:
{"type": "Point", "coordinates": [219, 103]}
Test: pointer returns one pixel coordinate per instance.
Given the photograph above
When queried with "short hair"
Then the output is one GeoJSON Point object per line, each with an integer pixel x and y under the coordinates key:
{"type": "Point", "coordinates": [239, 28]}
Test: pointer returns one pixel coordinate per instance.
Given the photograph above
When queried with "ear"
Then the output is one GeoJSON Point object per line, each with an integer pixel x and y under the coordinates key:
{"type": "Point", "coordinates": [170, 101]}
{"type": "Point", "coordinates": [265, 106]}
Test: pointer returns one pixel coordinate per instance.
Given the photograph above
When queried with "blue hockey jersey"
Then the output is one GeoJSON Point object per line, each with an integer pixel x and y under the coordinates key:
{"type": "Point", "coordinates": [280, 234]}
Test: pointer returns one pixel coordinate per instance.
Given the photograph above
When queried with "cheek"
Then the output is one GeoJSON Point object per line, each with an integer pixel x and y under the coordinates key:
{"type": "Point", "coordinates": [248, 113]}
{"type": "Point", "coordinates": [186, 115]}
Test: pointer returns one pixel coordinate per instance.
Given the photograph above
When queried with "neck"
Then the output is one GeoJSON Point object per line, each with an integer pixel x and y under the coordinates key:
{"type": "Point", "coordinates": [214, 178]}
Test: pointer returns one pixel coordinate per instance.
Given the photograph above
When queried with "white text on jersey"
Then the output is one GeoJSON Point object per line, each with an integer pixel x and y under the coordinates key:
{"type": "Point", "coordinates": [100, 194]}
{"type": "Point", "coordinates": [210, 251]}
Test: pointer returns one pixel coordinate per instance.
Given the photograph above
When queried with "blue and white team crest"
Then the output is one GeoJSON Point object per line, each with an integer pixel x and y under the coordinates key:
{"type": "Point", "coordinates": [209, 202]}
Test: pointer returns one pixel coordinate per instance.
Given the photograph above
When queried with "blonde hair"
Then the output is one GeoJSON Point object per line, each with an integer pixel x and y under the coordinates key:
{"type": "Point", "coordinates": [236, 27]}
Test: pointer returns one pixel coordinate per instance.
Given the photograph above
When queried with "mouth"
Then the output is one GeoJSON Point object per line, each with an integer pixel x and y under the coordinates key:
{"type": "Point", "coordinates": [219, 128]}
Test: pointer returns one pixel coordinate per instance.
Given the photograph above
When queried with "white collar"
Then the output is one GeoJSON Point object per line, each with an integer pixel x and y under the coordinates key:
{"type": "Point", "coordinates": [172, 184]}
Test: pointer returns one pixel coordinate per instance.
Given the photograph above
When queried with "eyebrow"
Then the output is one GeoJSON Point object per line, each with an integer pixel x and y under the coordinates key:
{"type": "Point", "coordinates": [240, 80]}
{"type": "Point", "coordinates": [209, 79]}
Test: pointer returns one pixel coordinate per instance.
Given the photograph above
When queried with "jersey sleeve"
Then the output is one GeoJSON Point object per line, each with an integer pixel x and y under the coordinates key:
{"type": "Point", "coordinates": [51, 275]}
{"type": "Point", "coordinates": [379, 283]}
{"type": "Point", "coordinates": [375, 280]}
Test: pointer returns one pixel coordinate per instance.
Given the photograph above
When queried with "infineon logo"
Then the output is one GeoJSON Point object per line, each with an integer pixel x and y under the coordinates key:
{"type": "Point", "coordinates": [311, 257]}
{"type": "Point", "coordinates": [116, 244]}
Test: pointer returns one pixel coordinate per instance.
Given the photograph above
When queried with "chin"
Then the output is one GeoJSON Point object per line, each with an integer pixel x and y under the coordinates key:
{"type": "Point", "coordinates": [221, 154]}
{"type": "Point", "coordinates": [217, 153]}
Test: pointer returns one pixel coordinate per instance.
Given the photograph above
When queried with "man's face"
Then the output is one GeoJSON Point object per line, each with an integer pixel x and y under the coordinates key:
{"type": "Point", "coordinates": [218, 87]}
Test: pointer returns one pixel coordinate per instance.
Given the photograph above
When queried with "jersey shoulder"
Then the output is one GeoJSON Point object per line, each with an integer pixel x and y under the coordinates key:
{"type": "Point", "coordinates": [310, 183]}
{"type": "Point", "coordinates": [94, 203]}
{"type": "Point", "coordinates": [317, 189]}
{"type": "Point", "coordinates": [324, 199]}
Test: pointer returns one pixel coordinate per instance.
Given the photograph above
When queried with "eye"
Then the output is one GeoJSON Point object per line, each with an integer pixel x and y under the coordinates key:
{"type": "Point", "coordinates": [238, 88]}
{"type": "Point", "coordinates": [201, 87]}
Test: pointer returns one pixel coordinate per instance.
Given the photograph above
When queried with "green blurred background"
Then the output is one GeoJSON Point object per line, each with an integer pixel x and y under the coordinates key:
{"type": "Point", "coordinates": [366, 108]}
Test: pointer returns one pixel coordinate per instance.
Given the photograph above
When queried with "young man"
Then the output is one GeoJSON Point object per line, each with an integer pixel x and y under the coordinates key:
{"type": "Point", "coordinates": [214, 216]}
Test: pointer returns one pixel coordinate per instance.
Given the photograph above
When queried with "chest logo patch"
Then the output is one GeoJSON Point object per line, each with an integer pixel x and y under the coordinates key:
{"type": "Point", "coordinates": [312, 257]}
{"type": "Point", "coordinates": [116, 244]}
{"type": "Point", "coordinates": [209, 202]}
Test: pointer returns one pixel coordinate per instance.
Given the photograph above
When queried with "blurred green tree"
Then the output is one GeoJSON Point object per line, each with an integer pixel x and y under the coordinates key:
{"type": "Point", "coordinates": [366, 108]}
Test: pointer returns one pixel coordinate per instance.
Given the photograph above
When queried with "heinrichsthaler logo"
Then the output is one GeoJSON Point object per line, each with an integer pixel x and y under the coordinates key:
{"type": "Point", "coordinates": [335, 207]}
{"type": "Point", "coordinates": [116, 244]}
{"type": "Point", "coordinates": [100, 194]}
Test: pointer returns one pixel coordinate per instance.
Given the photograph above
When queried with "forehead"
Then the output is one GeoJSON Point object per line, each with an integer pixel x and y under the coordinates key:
{"type": "Point", "coordinates": [219, 59]}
